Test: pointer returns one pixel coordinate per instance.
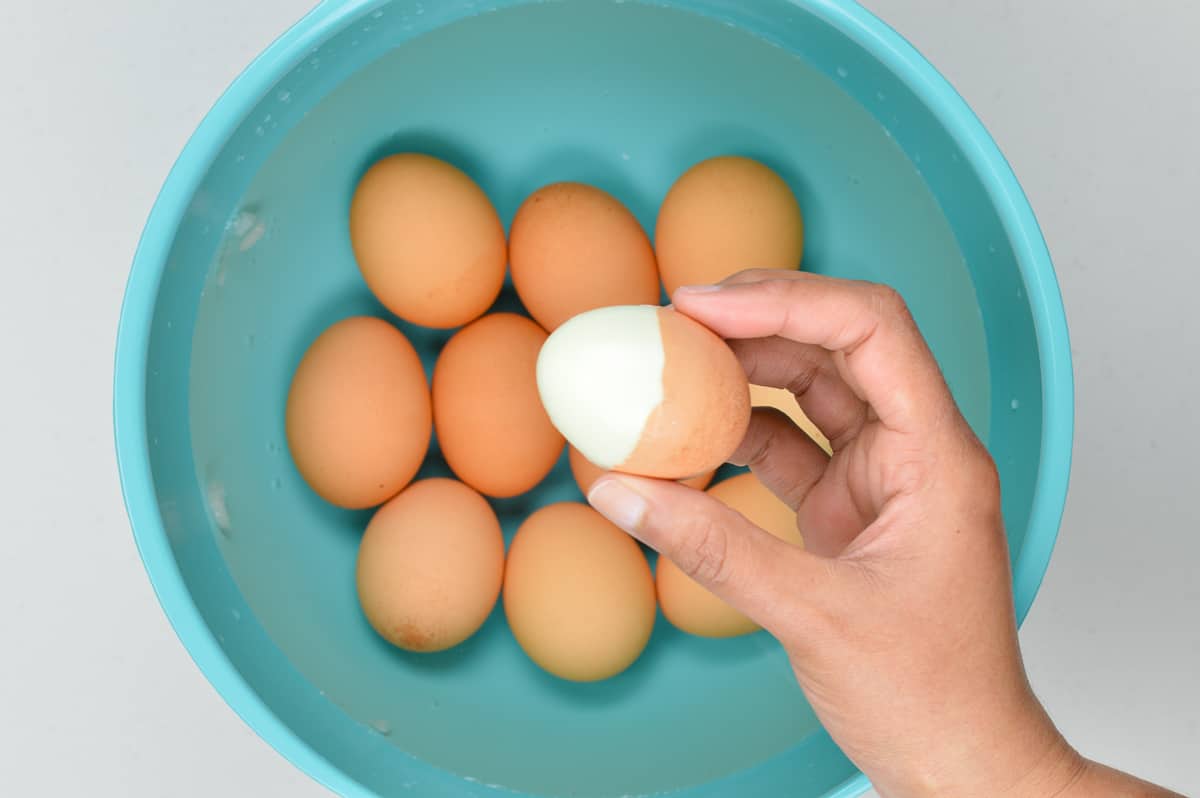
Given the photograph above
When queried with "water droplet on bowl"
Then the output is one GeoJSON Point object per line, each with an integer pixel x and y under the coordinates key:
{"type": "Point", "coordinates": [284, 96]}
{"type": "Point", "coordinates": [276, 483]}
{"type": "Point", "coordinates": [378, 14]}
{"type": "Point", "coordinates": [259, 131]}
{"type": "Point", "coordinates": [237, 615]}
{"type": "Point", "coordinates": [382, 727]}
{"type": "Point", "coordinates": [1014, 404]}
{"type": "Point", "coordinates": [880, 96]}
{"type": "Point", "coordinates": [252, 237]}
{"type": "Point", "coordinates": [843, 72]}
{"type": "Point", "coordinates": [218, 507]}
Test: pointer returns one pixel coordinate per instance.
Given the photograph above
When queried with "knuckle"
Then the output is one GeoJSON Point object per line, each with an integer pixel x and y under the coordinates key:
{"type": "Point", "coordinates": [704, 555]}
{"type": "Point", "coordinates": [887, 302]}
{"type": "Point", "coordinates": [985, 479]}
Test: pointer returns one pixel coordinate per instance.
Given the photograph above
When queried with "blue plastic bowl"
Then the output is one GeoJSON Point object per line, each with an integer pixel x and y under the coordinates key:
{"type": "Point", "coordinates": [246, 258]}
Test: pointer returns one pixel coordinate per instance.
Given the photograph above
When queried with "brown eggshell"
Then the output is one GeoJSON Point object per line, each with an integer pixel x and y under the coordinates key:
{"type": "Point", "coordinates": [705, 407]}
{"type": "Point", "coordinates": [358, 413]}
{"type": "Point", "coordinates": [785, 401]}
{"type": "Point", "coordinates": [578, 593]}
{"type": "Point", "coordinates": [430, 566]}
{"type": "Point", "coordinates": [725, 215]}
{"type": "Point", "coordinates": [491, 426]}
{"type": "Point", "coordinates": [573, 248]}
{"type": "Point", "coordinates": [427, 240]}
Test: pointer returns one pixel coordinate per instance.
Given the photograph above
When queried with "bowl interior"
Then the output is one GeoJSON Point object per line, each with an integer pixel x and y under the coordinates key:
{"type": "Point", "coordinates": [624, 96]}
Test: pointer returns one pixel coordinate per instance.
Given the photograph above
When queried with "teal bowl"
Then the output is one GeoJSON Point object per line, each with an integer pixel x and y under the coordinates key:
{"type": "Point", "coordinates": [246, 257]}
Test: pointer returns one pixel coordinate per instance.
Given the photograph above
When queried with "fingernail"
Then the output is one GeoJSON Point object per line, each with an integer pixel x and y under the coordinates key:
{"type": "Point", "coordinates": [698, 289]}
{"type": "Point", "coordinates": [619, 503]}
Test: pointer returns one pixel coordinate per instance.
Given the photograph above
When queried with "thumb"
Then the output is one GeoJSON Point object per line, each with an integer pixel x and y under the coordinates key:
{"type": "Point", "coordinates": [763, 577]}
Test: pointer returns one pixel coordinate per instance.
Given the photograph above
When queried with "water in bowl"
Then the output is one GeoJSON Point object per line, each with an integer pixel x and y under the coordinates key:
{"type": "Point", "coordinates": [515, 117]}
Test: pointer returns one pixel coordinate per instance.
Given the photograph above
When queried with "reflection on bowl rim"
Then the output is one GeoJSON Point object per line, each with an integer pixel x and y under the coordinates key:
{"type": "Point", "coordinates": [129, 396]}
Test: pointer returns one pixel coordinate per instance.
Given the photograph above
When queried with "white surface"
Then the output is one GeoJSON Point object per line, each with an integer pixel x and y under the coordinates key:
{"type": "Point", "coordinates": [1097, 107]}
{"type": "Point", "coordinates": [600, 376]}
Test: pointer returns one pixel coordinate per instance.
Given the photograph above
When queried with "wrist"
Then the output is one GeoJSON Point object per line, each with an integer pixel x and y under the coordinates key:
{"type": "Point", "coordinates": [1018, 753]}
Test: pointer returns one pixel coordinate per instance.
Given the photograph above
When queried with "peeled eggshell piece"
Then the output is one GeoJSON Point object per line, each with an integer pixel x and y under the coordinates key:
{"type": "Point", "coordinates": [644, 390]}
{"type": "Point", "coordinates": [785, 401]}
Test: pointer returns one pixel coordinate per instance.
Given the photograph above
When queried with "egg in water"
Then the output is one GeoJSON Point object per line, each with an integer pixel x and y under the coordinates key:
{"type": "Point", "coordinates": [723, 216]}
{"type": "Point", "coordinates": [491, 425]}
{"type": "Point", "coordinates": [578, 593]}
{"type": "Point", "coordinates": [573, 248]}
{"type": "Point", "coordinates": [430, 566]}
{"type": "Point", "coordinates": [358, 415]}
{"type": "Point", "coordinates": [427, 240]}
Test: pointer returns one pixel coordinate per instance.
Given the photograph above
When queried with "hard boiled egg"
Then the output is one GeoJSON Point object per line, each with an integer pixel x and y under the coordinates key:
{"type": "Point", "coordinates": [724, 215]}
{"type": "Point", "coordinates": [578, 593]}
{"type": "Point", "coordinates": [586, 472]}
{"type": "Point", "coordinates": [574, 247]}
{"type": "Point", "coordinates": [430, 565]}
{"type": "Point", "coordinates": [490, 422]}
{"type": "Point", "coordinates": [644, 390]}
{"type": "Point", "coordinates": [427, 240]}
{"type": "Point", "coordinates": [358, 413]}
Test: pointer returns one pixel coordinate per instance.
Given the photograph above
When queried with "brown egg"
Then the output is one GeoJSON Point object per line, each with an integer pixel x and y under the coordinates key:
{"type": "Point", "coordinates": [586, 472]}
{"type": "Point", "coordinates": [573, 248]}
{"type": "Point", "coordinates": [784, 400]}
{"type": "Point", "coordinates": [724, 215]}
{"type": "Point", "coordinates": [578, 593]}
{"type": "Point", "coordinates": [358, 413]}
{"type": "Point", "coordinates": [490, 422]}
{"type": "Point", "coordinates": [430, 566]}
{"type": "Point", "coordinates": [690, 606]}
{"type": "Point", "coordinates": [427, 240]}
{"type": "Point", "coordinates": [645, 390]}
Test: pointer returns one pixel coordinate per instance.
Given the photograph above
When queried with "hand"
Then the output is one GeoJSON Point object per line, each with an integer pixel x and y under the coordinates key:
{"type": "Point", "coordinates": [898, 616]}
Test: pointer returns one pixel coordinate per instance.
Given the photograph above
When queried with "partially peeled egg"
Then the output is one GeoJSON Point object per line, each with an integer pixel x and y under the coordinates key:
{"type": "Point", "coordinates": [644, 390]}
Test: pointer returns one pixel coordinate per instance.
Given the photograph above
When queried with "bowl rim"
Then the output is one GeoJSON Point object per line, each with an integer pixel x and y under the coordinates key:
{"type": "Point", "coordinates": [247, 89]}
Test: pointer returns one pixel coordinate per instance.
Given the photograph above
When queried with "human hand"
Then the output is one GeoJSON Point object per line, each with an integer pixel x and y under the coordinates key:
{"type": "Point", "coordinates": [898, 617]}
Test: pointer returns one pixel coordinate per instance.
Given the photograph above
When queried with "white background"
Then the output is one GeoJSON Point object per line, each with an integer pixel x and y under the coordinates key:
{"type": "Point", "coordinates": [1097, 105]}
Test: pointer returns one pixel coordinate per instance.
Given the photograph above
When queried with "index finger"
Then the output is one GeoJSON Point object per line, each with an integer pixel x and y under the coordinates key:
{"type": "Point", "coordinates": [868, 323]}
